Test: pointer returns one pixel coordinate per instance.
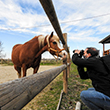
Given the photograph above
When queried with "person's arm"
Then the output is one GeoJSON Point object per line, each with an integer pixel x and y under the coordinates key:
{"type": "Point", "coordinates": [82, 62]}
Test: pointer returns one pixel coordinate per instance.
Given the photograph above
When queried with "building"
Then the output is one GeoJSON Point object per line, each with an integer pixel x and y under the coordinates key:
{"type": "Point", "coordinates": [104, 41]}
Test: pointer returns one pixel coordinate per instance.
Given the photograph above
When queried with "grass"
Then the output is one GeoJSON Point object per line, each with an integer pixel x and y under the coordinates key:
{"type": "Point", "coordinates": [6, 63]}
{"type": "Point", "coordinates": [46, 62]}
{"type": "Point", "coordinates": [75, 86]}
{"type": "Point", "coordinates": [49, 97]}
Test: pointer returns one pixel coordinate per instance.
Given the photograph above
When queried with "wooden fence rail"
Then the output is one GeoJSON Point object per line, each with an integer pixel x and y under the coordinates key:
{"type": "Point", "coordinates": [15, 94]}
{"type": "Point", "coordinates": [50, 11]}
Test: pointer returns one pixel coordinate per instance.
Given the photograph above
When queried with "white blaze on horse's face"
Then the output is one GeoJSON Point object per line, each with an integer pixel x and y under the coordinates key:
{"type": "Point", "coordinates": [57, 40]}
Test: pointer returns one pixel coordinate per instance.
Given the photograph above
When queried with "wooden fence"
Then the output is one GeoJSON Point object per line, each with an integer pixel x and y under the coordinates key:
{"type": "Point", "coordinates": [15, 94]}
{"type": "Point", "coordinates": [50, 11]}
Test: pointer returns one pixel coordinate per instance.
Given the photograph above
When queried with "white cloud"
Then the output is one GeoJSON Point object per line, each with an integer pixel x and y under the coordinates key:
{"type": "Point", "coordinates": [79, 9]}
{"type": "Point", "coordinates": [12, 15]}
{"type": "Point", "coordinates": [83, 38]}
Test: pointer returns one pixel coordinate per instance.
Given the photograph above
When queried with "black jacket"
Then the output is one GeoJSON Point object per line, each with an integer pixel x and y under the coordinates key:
{"type": "Point", "coordinates": [95, 71]}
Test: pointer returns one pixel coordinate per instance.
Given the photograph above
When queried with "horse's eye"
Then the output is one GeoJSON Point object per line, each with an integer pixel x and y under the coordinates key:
{"type": "Point", "coordinates": [54, 43]}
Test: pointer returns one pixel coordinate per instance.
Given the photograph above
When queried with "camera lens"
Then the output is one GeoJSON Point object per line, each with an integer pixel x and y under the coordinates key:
{"type": "Point", "coordinates": [73, 51]}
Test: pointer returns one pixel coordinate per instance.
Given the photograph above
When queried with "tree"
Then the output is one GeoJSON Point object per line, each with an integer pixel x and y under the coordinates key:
{"type": "Point", "coordinates": [1, 49]}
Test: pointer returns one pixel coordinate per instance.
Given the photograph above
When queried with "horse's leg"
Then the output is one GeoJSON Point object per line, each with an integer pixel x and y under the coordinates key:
{"type": "Point", "coordinates": [36, 69]}
{"type": "Point", "coordinates": [37, 66]}
{"type": "Point", "coordinates": [24, 70]}
{"type": "Point", "coordinates": [18, 69]}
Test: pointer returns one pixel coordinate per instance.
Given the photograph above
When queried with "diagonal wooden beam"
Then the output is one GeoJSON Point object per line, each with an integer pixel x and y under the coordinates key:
{"type": "Point", "coordinates": [50, 11]}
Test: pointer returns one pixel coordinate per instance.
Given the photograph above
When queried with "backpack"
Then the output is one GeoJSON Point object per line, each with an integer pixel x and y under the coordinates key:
{"type": "Point", "coordinates": [106, 62]}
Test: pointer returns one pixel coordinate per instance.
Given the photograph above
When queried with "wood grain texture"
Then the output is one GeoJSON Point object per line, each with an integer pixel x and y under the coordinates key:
{"type": "Point", "coordinates": [15, 94]}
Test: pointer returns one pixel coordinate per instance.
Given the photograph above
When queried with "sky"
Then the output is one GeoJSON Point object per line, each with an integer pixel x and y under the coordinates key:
{"type": "Point", "coordinates": [86, 22]}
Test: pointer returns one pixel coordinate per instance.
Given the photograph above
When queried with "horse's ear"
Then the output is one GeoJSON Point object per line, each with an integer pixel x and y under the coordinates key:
{"type": "Point", "coordinates": [51, 36]}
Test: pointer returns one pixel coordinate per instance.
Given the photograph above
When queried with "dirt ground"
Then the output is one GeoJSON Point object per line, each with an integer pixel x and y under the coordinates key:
{"type": "Point", "coordinates": [8, 73]}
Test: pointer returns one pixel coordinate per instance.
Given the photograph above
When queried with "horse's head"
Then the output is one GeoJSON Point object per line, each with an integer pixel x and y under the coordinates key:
{"type": "Point", "coordinates": [54, 47]}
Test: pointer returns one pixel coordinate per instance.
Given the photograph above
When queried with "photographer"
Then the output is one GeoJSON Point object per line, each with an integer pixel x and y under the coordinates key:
{"type": "Point", "coordinates": [98, 97]}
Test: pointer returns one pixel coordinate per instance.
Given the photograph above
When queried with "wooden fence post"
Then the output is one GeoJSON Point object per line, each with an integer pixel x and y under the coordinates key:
{"type": "Point", "coordinates": [65, 79]}
{"type": "Point", "coordinates": [68, 54]}
{"type": "Point", "coordinates": [68, 61]}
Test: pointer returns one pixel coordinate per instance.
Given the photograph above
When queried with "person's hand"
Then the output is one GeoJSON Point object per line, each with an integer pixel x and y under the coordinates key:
{"type": "Point", "coordinates": [77, 51]}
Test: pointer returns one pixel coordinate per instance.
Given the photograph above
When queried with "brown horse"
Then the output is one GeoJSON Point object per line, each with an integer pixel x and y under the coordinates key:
{"type": "Point", "coordinates": [29, 54]}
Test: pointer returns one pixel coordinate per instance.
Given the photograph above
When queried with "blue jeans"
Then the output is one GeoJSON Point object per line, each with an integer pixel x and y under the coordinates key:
{"type": "Point", "coordinates": [95, 100]}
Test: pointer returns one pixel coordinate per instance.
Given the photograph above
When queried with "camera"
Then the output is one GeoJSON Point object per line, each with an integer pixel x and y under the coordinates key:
{"type": "Point", "coordinates": [80, 54]}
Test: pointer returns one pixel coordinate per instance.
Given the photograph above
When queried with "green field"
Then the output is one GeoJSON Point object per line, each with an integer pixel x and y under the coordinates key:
{"type": "Point", "coordinates": [43, 62]}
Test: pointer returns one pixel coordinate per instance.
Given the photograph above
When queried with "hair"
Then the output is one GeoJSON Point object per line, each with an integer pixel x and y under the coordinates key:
{"type": "Point", "coordinates": [93, 51]}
